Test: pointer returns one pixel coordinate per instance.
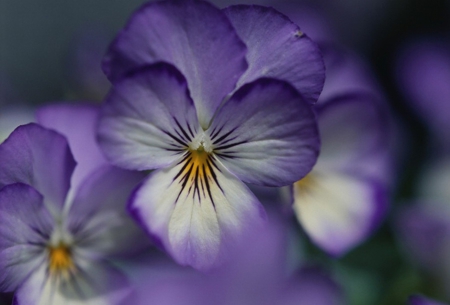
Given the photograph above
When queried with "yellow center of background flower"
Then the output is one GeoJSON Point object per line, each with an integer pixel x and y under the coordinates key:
{"type": "Point", "coordinates": [60, 259]}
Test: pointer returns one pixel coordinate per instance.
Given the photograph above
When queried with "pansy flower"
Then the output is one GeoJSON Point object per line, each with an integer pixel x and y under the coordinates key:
{"type": "Point", "coordinates": [209, 99]}
{"type": "Point", "coordinates": [344, 198]}
{"type": "Point", "coordinates": [61, 223]}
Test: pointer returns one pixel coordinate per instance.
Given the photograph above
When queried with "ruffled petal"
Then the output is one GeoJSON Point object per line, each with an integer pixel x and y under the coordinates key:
{"type": "Point", "coordinates": [25, 227]}
{"type": "Point", "coordinates": [278, 48]}
{"type": "Point", "coordinates": [78, 124]}
{"type": "Point", "coordinates": [38, 157]}
{"type": "Point", "coordinates": [95, 283]}
{"type": "Point", "coordinates": [197, 208]}
{"type": "Point", "coordinates": [98, 218]}
{"type": "Point", "coordinates": [266, 134]}
{"type": "Point", "coordinates": [195, 37]}
{"type": "Point", "coordinates": [338, 210]}
{"type": "Point", "coordinates": [148, 119]}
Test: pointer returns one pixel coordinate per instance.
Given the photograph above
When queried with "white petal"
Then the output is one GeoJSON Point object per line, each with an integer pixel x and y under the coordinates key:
{"type": "Point", "coordinates": [337, 210]}
{"type": "Point", "coordinates": [93, 284]}
{"type": "Point", "coordinates": [197, 209]}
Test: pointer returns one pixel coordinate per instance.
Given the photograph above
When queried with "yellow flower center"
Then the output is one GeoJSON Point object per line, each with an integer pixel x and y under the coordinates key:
{"type": "Point", "coordinates": [60, 259]}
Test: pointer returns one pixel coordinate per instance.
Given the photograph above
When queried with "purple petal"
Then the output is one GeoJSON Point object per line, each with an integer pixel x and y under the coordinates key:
{"type": "Point", "coordinates": [148, 119]}
{"type": "Point", "coordinates": [25, 227]}
{"type": "Point", "coordinates": [423, 72]}
{"type": "Point", "coordinates": [421, 300]}
{"type": "Point", "coordinates": [346, 74]}
{"type": "Point", "coordinates": [95, 283]}
{"type": "Point", "coordinates": [266, 134]}
{"type": "Point", "coordinates": [195, 37]}
{"type": "Point", "coordinates": [337, 210]}
{"type": "Point", "coordinates": [12, 117]}
{"type": "Point", "coordinates": [198, 214]}
{"type": "Point", "coordinates": [278, 48]}
{"type": "Point", "coordinates": [78, 124]}
{"type": "Point", "coordinates": [354, 134]}
{"type": "Point", "coordinates": [424, 230]}
{"type": "Point", "coordinates": [38, 157]}
{"type": "Point", "coordinates": [98, 213]}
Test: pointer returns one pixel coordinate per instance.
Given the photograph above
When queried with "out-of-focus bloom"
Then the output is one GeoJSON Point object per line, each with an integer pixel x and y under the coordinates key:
{"type": "Point", "coordinates": [424, 225]}
{"type": "Point", "coordinates": [259, 275]}
{"type": "Point", "coordinates": [344, 198]}
{"type": "Point", "coordinates": [60, 223]}
{"type": "Point", "coordinates": [423, 73]}
{"type": "Point", "coordinates": [341, 202]}
{"type": "Point", "coordinates": [215, 113]}
{"type": "Point", "coordinates": [421, 300]}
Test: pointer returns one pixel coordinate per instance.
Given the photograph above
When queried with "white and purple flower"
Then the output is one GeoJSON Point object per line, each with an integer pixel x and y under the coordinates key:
{"type": "Point", "coordinates": [209, 99]}
{"type": "Point", "coordinates": [344, 198]}
{"type": "Point", "coordinates": [60, 223]}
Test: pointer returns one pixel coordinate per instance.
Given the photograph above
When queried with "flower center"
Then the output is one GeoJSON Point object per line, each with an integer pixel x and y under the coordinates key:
{"type": "Point", "coordinates": [60, 259]}
{"type": "Point", "coordinates": [305, 184]}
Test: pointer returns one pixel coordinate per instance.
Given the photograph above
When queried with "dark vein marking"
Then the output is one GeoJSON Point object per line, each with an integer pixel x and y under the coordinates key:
{"type": "Point", "coordinates": [230, 145]}
{"type": "Point", "coordinates": [219, 140]}
{"type": "Point", "coordinates": [188, 138]}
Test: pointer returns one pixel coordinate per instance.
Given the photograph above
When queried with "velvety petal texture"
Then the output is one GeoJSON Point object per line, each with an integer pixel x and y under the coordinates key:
{"type": "Point", "coordinates": [278, 48]}
{"type": "Point", "coordinates": [40, 158]}
{"type": "Point", "coordinates": [78, 123]}
{"type": "Point", "coordinates": [197, 210]}
{"type": "Point", "coordinates": [266, 134]}
{"type": "Point", "coordinates": [25, 225]}
{"type": "Point", "coordinates": [195, 37]}
{"type": "Point", "coordinates": [338, 211]}
{"type": "Point", "coordinates": [147, 119]}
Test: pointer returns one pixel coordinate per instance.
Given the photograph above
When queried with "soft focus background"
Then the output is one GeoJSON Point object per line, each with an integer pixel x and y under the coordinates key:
{"type": "Point", "coordinates": [51, 50]}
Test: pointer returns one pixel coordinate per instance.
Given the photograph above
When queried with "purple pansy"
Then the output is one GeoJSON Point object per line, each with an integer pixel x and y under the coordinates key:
{"type": "Point", "coordinates": [424, 225]}
{"type": "Point", "coordinates": [423, 74]}
{"type": "Point", "coordinates": [209, 99]}
{"type": "Point", "coordinates": [344, 198]}
{"type": "Point", "coordinates": [61, 222]}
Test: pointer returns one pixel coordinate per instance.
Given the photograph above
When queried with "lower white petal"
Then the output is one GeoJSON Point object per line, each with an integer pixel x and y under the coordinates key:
{"type": "Point", "coordinates": [197, 208]}
{"type": "Point", "coordinates": [337, 210]}
{"type": "Point", "coordinates": [92, 284]}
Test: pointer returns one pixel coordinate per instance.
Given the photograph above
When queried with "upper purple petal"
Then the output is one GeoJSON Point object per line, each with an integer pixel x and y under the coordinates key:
{"type": "Point", "coordinates": [78, 124]}
{"type": "Point", "coordinates": [266, 134]}
{"type": "Point", "coordinates": [148, 119]}
{"type": "Point", "coordinates": [194, 36]}
{"type": "Point", "coordinates": [38, 157]}
{"type": "Point", "coordinates": [423, 73]}
{"type": "Point", "coordinates": [25, 227]}
{"type": "Point", "coordinates": [354, 131]}
{"type": "Point", "coordinates": [278, 48]}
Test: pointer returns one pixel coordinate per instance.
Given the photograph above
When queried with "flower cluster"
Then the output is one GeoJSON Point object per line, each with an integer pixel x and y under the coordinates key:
{"type": "Point", "coordinates": [225, 136]}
